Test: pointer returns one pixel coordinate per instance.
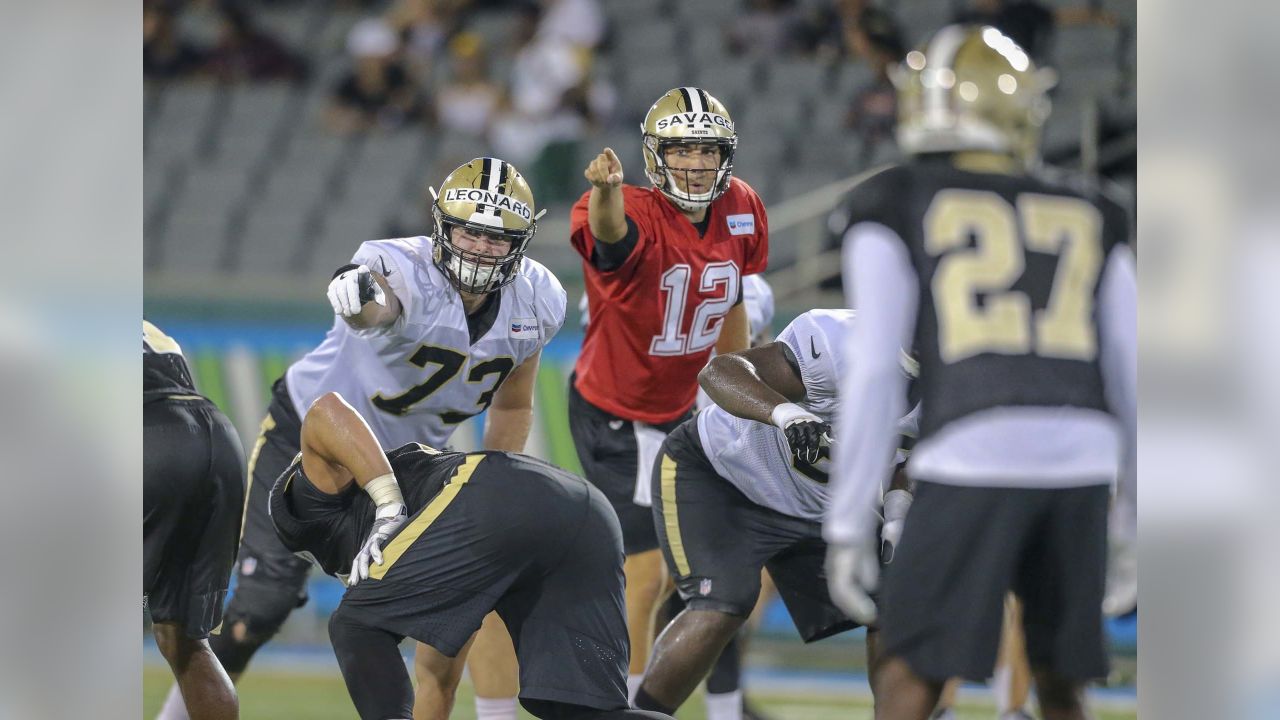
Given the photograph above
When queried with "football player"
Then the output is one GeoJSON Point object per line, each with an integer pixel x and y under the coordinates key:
{"type": "Point", "coordinates": [434, 543]}
{"type": "Point", "coordinates": [428, 332]}
{"type": "Point", "coordinates": [743, 486]}
{"type": "Point", "coordinates": [663, 267]}
{"type": "Point", "coordinates": [1017, 290]}
{"type": "Point", "coordinates": [192, 493]}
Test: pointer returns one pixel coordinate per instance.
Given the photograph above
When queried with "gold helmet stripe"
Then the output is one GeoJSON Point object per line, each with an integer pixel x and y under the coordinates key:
{"type": "Point", "coordinates": [941, 56]}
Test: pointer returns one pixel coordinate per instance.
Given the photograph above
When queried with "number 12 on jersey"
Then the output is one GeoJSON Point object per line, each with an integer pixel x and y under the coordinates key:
{"type": "Point", "coordinates": [721, 278]}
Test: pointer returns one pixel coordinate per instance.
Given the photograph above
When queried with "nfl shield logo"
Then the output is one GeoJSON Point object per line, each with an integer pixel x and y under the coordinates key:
{"type": "Point", "coordinates": [704, 587]}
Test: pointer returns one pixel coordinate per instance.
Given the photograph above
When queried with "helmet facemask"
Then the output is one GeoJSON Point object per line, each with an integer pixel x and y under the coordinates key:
{"type": "Point", "coordinates": [663, 176]}
{"type": "Point", "coordinates": [475, 272]}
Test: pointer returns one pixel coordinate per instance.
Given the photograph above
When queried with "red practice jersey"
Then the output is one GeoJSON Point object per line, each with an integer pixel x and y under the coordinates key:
{"type": "Point", "coordinates": [656, 318]}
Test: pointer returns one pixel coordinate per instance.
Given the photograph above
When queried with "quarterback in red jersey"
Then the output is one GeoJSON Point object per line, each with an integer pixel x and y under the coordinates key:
{"type": "Point", "coordinates": [664, 268]}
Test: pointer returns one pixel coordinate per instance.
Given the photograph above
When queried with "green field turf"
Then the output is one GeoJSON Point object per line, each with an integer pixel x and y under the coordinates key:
{"type": "Point", "coordinates": [273, 695]}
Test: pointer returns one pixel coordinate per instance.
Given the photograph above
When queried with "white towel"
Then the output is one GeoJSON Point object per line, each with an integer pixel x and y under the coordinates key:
{"type": "Point", "coordinates": [648, 444]}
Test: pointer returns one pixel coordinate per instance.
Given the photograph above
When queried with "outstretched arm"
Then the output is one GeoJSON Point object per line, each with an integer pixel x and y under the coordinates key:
{"type": "Point", "coordinates": [363, 298]}
{"type": "Point", "coordinates": [606, 215]}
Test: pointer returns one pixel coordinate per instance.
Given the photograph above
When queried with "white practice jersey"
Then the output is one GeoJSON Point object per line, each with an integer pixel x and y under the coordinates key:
{"type": "Point", "coordinates": [755, 457]}
{"type": "Point", "coordinates": [418, 378]}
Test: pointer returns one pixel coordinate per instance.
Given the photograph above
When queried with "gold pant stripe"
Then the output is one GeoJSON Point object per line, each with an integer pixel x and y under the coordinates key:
{"type": "Point", "coordinates": [670, 516]}
{"type": "Point", "coordinates": [268, 424]}
{"type": "Point", "coordinates": [411, 532]}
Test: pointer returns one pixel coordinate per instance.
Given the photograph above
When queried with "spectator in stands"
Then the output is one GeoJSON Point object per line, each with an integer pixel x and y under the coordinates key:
{"type": "Point", "coordinates": [550, 99]}
{"type": "Point", "coordinates": [825, 24]}
{"type": "Point", "coordinates": [467, 100]}
{"type": "Point", "coordinates": [874, 38]}
{"type": "Point", "coordinates": [378, 92]}
{"type": "Point", "coordinates": [165, 53]}
{"type": "Point", "coordinates": [767, 28]}
{"type": "Point", "coordinates": [577, 22]}
{"type": "Point", "coordinates": [245, 52]}
{"type": "Point", "coordinates": [424, 27]}
{"type": "Point", "coordinates": [1030, 23]}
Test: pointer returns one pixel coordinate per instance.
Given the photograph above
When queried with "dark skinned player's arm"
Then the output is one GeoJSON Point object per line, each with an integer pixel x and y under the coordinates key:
{"type": "Point", "coordinates": [751, 383]}
{"type": "Point", "coordinates": [338, 447]}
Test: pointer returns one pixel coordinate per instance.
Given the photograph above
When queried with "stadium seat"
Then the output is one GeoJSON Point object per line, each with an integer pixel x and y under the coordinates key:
{"type": "Point", "coordinates": [646, 84]}
{"type": "Point", "coordinates": [646, 39]}
{"type": "Point", "coordinates": [623, 15]}
{"type": "Point", "coordinates": [798, 78]}
{"type": "Point", "coordinates": [734, 82]}
{"type": "Point", "coordinates": [270, 241]}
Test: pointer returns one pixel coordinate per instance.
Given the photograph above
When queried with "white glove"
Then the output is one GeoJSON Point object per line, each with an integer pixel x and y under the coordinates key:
{"type": "Point", "coordinates": [853, 573]}
{"type": "Point", "coordinates": [351, 289]}
{"type": "Point", "coordinates": [386, 521]}
{"type": "Point", "coordinates": [896, 505]}
{"type": "Point", "coordinates": [1122, 577]}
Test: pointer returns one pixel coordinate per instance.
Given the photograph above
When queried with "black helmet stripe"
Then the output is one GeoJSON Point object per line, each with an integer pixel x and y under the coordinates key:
{"type": "Point", "coordinates": [688, 99]}
{"type": "Point", "coordinates": [702, 95]}
{"type": "Point", "coordinates": [486, 167]}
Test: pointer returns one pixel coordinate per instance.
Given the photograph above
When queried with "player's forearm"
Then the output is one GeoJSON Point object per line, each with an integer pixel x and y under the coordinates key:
{"type": "Point", "coordinates": [337, 445]}
{"type": "Point", "coordinates": [735, 333]}
{"type": "Point", "coordinates": [507, 428]}
{"type": "Point", "coordinates": [732, 382]}
{"type": "Point", "coordinates": [606, 215]}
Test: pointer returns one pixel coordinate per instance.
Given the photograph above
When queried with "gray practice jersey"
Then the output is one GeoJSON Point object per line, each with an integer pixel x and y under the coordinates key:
{"type": "Point", "coordinates": [418, 378]}
{"type": "Point", "coordinates": [754, 456]}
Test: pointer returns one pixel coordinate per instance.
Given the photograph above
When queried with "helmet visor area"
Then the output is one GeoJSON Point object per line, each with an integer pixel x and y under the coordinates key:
{"type": "Point", "coordinates": [693, 170]}
{"type": "Point", "coordinates": [479, 258]}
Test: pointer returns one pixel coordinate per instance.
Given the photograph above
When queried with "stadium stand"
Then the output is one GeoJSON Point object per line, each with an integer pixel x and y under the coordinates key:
{"type": "Point", "coordinates": [244, 178]}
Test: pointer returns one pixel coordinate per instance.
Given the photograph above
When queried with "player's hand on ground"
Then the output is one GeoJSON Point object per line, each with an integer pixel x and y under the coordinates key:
{"type": "Point", "coordinates": [896, 504]}
{"type": "Point", "coordinates": [853, 573]}
{"type": "Point", "coordinates": [352, 288]}
{"type": "Point", "coordinates": [605, 170]}
{"type": "Point", "coordinates": [806, 433]}
{"type": "Point", "coordinates": [1122, 577]}
{"type": "Point", "coordinates": [386, 521]}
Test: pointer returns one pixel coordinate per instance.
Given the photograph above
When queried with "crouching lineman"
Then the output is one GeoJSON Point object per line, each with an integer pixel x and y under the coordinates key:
{"type": "Point", "coordinates": [428, 331]}
{"type": "Point", "coordinates": [193, 488]}
{"type": "Point", "coordinates": [743, 486]}
{"type": "Point", "coordinates": [434, 543]}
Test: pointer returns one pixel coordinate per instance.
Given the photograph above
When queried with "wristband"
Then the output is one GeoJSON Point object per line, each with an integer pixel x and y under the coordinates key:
{"type": "Point", "coordinates": [787, 413]}
{"type": "Point", "coordinates": [384, 490]}
{"type": "Point", "coordinates": [896, 504]}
